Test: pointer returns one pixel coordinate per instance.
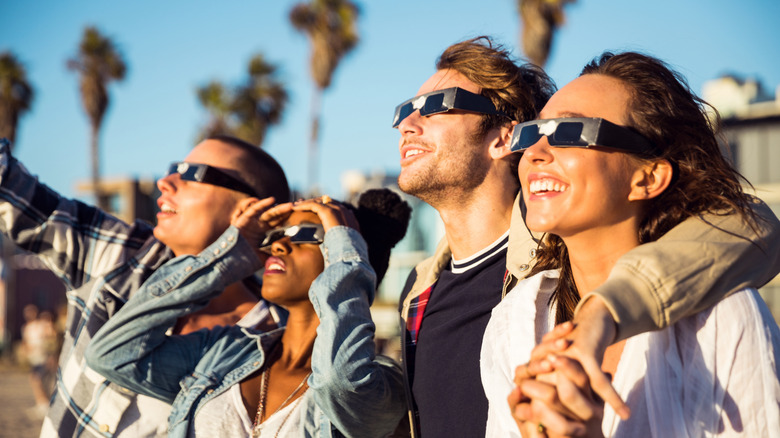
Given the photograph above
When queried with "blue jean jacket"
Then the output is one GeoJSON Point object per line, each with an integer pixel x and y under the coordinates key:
{"type": "Point", "coordinates": [355, 392]}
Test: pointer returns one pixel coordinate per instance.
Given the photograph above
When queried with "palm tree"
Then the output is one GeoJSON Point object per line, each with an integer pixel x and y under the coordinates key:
{"type": "Point", "coordinates": [258, 103]}
{"type": "Point", "coordinates": [98, 62]}
{"type": "Point", "coordinates": [331, 28]}
{"type": "Point", "coordinates": [540, 20]}
{"type": "Point", "coordinates": [248, 110]}
{"type": "Point", "coordinates": [16, 95]}
{"type": "Point", "coordinates": [214, 96]}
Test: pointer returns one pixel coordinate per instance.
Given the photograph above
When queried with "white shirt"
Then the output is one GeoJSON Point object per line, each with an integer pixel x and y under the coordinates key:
{"type": "Point", "coordinates": [711, 374]}
{"type": "Point", "coordinates": [226, 417]}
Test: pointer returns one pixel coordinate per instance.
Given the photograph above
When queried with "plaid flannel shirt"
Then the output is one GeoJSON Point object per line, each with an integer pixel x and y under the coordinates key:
{"type": "Point", "coordinates": [102, 261]}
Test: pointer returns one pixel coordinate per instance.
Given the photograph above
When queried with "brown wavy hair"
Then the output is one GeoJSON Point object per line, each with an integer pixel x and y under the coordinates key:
{"type": "Point", "coordinates": [662, 108]}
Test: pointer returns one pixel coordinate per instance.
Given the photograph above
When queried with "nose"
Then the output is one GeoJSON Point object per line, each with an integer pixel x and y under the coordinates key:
{"type": "Point", "coordinates": [281, 247]}
{"type": "Point", "coordinates": [541, 151]}
{"type": "Point", "coordinates": [167, 184]}
{"type": "Point", "coordinates": [411, 124]}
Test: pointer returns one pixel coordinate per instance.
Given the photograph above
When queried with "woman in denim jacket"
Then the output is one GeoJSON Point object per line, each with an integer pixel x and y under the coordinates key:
{"type": "Point", "coordinates": [232, 381]}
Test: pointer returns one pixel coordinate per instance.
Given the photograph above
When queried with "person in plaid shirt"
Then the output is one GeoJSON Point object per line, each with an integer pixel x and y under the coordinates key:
{"type": "Point", "coordinates": [103, 261]}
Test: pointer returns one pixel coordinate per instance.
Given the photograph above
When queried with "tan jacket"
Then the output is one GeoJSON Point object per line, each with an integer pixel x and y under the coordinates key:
{"type": "Point", "coordinates": [691, 267]}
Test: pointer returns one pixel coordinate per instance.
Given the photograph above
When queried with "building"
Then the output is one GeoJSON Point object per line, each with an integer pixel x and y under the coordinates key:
{"type": "Point", "coordinates": [751, 127]}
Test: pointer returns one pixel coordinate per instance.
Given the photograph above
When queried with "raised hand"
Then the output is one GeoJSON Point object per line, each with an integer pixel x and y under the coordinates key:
{"type": "Point", "coordinates": [331, 213]}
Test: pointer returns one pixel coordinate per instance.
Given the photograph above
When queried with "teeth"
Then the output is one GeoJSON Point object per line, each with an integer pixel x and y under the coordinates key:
{"type": "Point", "coordinates": [275, 267]}
{"type": "Point", "coordinates": [412, 152]}
{"type": "Point", "coordinates": [165, 208]}
{"type": "Point", "coordinates": [546, 185]}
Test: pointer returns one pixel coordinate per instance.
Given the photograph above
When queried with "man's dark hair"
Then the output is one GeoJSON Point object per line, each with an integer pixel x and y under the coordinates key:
{"type": "Point", "coordinates": [262, 172]}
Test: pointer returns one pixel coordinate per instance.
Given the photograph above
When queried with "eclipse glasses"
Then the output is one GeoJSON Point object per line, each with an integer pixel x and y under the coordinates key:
{"type": "Point", "coordinates": [581, 132]}
{"type": "Point", "coordinates": [203, 173]}
{"type": "Point", "coordinates": [298, 234]}
{"type": "Point", "coordinates": [441, 101]}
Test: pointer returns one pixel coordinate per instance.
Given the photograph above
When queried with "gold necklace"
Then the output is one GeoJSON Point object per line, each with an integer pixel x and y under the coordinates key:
{"type": "Point", "coordinates": [260, 416]}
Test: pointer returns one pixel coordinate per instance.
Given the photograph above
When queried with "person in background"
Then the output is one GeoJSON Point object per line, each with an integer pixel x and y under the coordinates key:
{"type": "Point", "coordinates": [39, 347]}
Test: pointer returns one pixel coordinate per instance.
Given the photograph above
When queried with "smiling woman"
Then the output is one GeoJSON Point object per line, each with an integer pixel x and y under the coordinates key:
{"type": "Point", "coordinates": [317, 375]}
{"type": "Point", "coordinates": [645, 159]}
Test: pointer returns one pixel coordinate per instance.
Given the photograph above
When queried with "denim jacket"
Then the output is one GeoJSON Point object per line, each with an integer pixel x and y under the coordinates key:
{"type": "Point", "coordinates": [355, 392]}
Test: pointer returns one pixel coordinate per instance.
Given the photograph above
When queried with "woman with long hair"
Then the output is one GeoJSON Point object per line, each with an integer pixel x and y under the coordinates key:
{"type": "Point", "coordinates": [619, 156]}
{"type": "Point", "coordinates": [318, 376]}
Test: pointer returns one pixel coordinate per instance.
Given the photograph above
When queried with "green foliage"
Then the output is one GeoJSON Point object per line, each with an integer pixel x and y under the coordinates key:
{"type": "Point", "coordinates": [16, 94]}
{"type": "Point", "coordinates": [245, 111]}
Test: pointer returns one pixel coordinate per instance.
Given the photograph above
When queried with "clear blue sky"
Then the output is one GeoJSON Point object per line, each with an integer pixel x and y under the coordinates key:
{"type": "Point", "coordinates": [174, 46]}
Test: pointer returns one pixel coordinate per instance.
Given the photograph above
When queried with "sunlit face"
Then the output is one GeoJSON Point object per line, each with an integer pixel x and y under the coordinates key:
{"type": "Point", "coordinates": [193, 215]}
{"type": "Point", "coordinates": [570, 190]}
{"type": "Point", "coordinates": [292, 268]}
{"type": "Point", "coordinates": [440, 151]}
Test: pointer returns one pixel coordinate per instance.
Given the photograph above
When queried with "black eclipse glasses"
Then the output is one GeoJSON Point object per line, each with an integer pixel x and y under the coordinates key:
{"type": "Point", "coordinates": [301, 233]}
{"type": "Point", "coordinates": [441, 101]}
{"type": "Point", "coordinates": [203, 173]}
{"type": "Point", "coordinates": [581, 132]}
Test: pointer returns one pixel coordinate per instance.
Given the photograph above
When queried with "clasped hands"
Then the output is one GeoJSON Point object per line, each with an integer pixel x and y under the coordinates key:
{"type": "Point", "coordinates": [559, 392]}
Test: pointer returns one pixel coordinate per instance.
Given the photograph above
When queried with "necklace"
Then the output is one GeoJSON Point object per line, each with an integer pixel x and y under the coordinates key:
{"type": "Point", "coordinates": [260, 416]}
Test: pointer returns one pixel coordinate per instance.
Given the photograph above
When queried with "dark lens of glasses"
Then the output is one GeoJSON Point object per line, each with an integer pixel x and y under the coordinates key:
{"type": "Point", "coordinates": [403, 112]}
{"type": "Point", "coordinates": [568, 133]}
{"type": "Point", "coordinates": [272, 236]}
{"type": "Point", "coordinates": [305, 235]}
{"type": "Point", "coordinates": [529, 135]}
{"type": "Point", "coordinates": [187, 171]}
{"type": "Point", "coordinates": [433, 104]}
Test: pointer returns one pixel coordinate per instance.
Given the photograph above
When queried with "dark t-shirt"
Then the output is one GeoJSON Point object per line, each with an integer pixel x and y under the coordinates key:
{"type": "Point", "coordinates": [447, 386]}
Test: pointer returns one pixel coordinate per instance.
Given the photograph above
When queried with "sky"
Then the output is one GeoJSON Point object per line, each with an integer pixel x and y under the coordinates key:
{"type": "Point", "coordinates": [174, 46]}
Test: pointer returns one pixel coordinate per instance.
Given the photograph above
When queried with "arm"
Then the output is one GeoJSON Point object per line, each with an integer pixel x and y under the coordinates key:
{"type": "Point", "coordinates": [361, 394]}
{"type": "Point", "coordinates": [75, 241]}
{"type": "Point", "coordinates": [689, 269]}
{"type": "Point", "coordinates": [132, 349]}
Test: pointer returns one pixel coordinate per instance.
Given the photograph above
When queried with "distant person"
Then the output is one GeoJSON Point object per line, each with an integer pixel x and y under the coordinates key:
{"type": "Point", "coordinates": [317, 377]}
{"type": "Point", "coordinates": [619, 156]}
{"type": "Point", "coordinates": [103, 261]}
{"type": "Point", "coordinates": [39, 345]}
{"type": "Point", "coordinates": [456, 156]}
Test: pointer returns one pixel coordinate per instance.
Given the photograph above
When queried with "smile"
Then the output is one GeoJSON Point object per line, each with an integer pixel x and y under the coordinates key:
{"type": "Point", "coordinates": [274, 265]}
{"type": "Point", "coordinates": [546, 185]}
{"type": "Point", "coordinates": [412, 152]}
{"type": "Point", "coordinates": [165, 208]}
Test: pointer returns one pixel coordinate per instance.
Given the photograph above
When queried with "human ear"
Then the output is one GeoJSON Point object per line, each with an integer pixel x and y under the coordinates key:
{"type": "Point", "coordinates": [499, 148]}
{"type": "Point", "coordinates": [650, 180]}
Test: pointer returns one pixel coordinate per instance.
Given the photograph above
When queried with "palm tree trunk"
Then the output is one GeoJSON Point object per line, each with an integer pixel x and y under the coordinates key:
{"type": "Point", "coordinates": [316, 99]}
{"type": "Point", "coordinates": [94, 155]}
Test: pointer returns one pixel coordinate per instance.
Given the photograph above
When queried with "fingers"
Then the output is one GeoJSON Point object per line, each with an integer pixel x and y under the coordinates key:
{"type": "Point", "coordinates": [250, 208]}
{"type": "Point", "coordinates": [559, 331]}
{"type": "Point", "coordinates": [544, 408]}
{"type": "Point", "coordinates": [331, 213]}
{"type": "Point", "coordinates": [602, 386]}
{"type": "Point", "coordinates": [574, 391]}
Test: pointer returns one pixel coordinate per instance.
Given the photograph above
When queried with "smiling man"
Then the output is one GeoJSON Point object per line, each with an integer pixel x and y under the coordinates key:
{"type": "Point", "coordinates": [103, 261]}
{"type": "Point", "coordinates": [456, 155]}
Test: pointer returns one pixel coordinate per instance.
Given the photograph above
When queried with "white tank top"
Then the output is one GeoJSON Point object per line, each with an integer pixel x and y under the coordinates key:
{"type": "Point", "coordinates": [226, 417]}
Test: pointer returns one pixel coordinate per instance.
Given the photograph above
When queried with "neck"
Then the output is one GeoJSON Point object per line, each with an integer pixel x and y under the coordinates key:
{"type": "Point", "coordinates": [476, 219]}
{"type": "Point", "coordinates": [298, 338]}
{"type": "Point", "coordinates": [593, 253]}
